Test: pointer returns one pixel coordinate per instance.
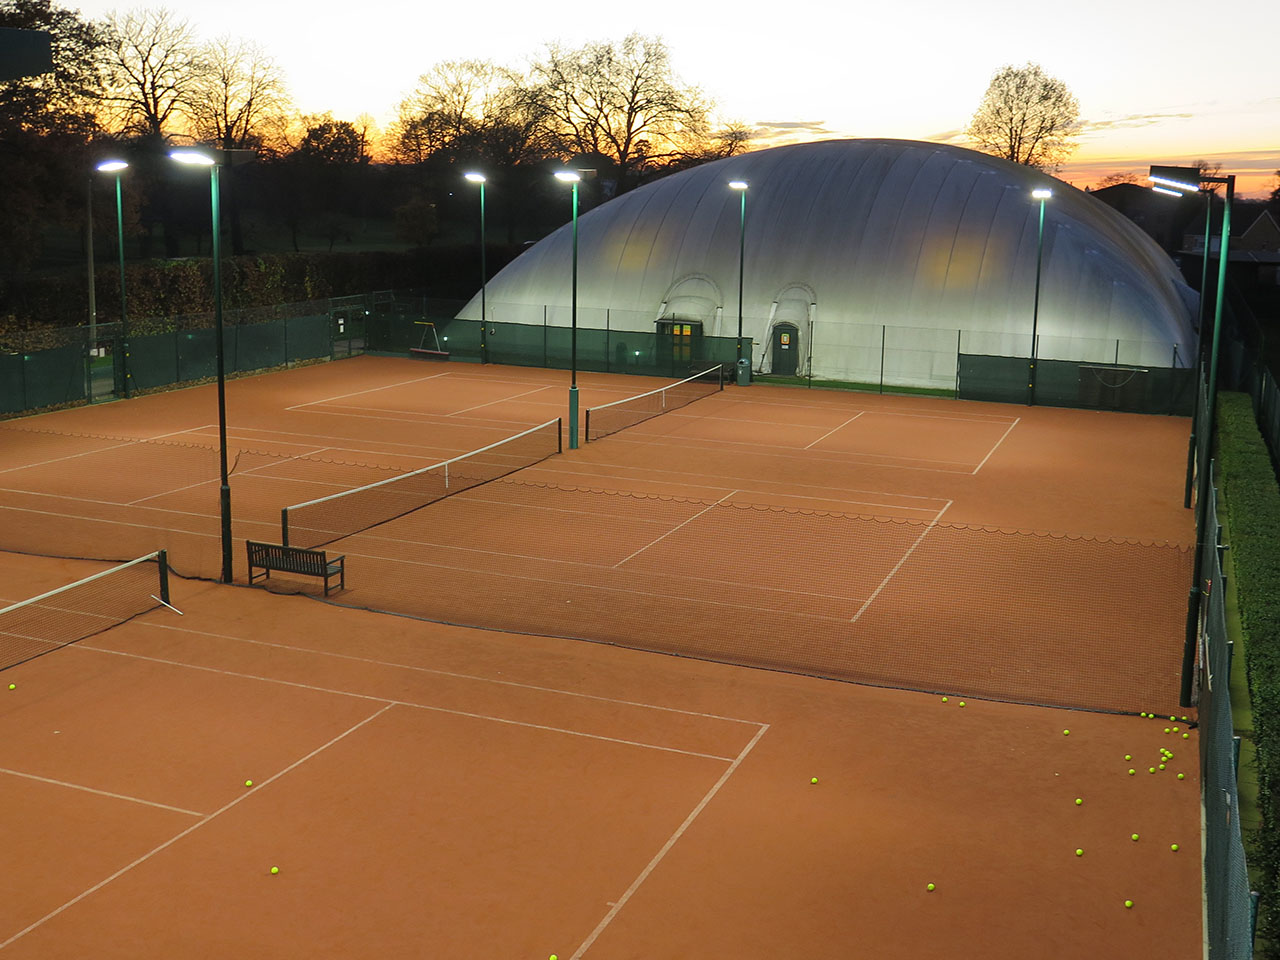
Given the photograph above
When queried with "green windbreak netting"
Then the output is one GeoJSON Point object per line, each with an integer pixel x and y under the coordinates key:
{"type": "Point", "coordinates": [54, 376]}
{"type": "Point", "coordinates": [1063, 383]}
{"type": "Point", "coordinates": [307, 338]}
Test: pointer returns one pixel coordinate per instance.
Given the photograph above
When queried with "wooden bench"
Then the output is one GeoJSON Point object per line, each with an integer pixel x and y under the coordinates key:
{"type": "Point", "coordinates": [308, 563]}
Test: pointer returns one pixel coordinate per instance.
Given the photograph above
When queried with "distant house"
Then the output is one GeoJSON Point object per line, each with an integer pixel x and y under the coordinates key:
{"type": "Point", "coordinates": [1255, 239]}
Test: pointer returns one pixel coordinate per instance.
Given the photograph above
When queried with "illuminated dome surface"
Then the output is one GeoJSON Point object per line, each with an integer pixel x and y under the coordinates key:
{"type": "Point", "coordinates": [869, 252]}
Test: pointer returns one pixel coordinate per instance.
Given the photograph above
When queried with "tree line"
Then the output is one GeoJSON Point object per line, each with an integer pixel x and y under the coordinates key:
{"type": "Point", "coordinates": [138, 83]}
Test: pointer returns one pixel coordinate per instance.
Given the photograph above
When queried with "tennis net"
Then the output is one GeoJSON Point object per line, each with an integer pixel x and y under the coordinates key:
{"type": "Point", "coordinates": [322, 521]}
{"type": "Point", "coordinates": [611, 417]}
{"type": "Point", "coordinates": [79, 610]}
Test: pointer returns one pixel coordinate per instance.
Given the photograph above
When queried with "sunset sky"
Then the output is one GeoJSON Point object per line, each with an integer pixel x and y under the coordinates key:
{"type": "Point", "coordinates": [1173, 85]}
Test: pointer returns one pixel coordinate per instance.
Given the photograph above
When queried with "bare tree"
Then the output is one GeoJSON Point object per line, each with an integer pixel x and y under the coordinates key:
{"type": "Point", "coordinates": [239, 99]}
{"type": "Point", "coordinates": [621, 102]}
{"type": "Point", "coordinates": [1126, 176]}
{"type": "Point", "coordinates": [473, 110]}
{"type": "Point", "coordinates": [153, 65]}
{"type": "Point", "coordinates": [1028, 117]}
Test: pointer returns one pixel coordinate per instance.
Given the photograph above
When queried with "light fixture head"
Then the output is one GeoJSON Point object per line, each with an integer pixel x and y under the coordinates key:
{"type": "Point", "coordinates": [567, 176]}
{"type": "Point", "coordinates": [474, 177]}
{"type": "Point", "coordinates": [1167, 192]}
{"type": "Point", "coordinates": [1175, 184]}
{"type": "Point", "coordinates": [738, 185]}
{"type": "Point", "coordinates": [1042, 193]}
{"type": "Point", "coordinates": [193, 157]}
{"type": "Point", "coordinates": [112, 166]}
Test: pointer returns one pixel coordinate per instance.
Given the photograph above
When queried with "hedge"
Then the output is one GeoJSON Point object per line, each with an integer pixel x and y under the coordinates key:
{"type": "Point", "coordinates": [1247, 483]}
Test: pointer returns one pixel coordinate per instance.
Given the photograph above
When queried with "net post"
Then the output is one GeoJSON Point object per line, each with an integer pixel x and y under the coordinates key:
{"type": "Point", "coordinates": [560, 432]}
{"type": "Point", "coordinates": [162, 559]}
{"type": "Point", "coordinates": [284, 526]}
{"type": "Point", "coordinates": [586, 426]}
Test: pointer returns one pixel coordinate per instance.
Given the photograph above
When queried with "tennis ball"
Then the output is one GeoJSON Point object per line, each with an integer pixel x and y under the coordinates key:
{"type": "Point", "coordinates": [1131, 771]}
{"type": "Point", "coordinates": [1175, 729]}
{"type": "Point", "coordinates": [930, 888]}
{"type": "Point", "coordinates": [1128, 757]}
{"type": "Point", "coordinates": [1166, 729]}
{"type": "Point", "coordinates": [1133, 837]}
{"type": "Point", "coordinates": [1173, 718]}
{"type": "Point", "coordinates": [1173, 847]}
{"type": "Point", "coordinates": [13, 686]}
{"type": "Point", "coordinates": [554, 957]}
{"type": "Point", "coordinates": [1182, 776]}
{"type": "Point", "coordinates": [1162, 766]}
{"type": "Point", "coordinates": [275, 870]}
{"type": "Point", "coordinates": [962, 703]}
{"type": "Point", "coordinates": [1128, 904]}
{"type": "Point", "coordinates": [944, 699]}
{"type": "Point", "coordinates": [1143, 713]}
{"type": "Point", "coordinates": [1079, 800]}
{"type": "Point", "coordinates": [1151, 769]}
{"type": "Point", "coordinates": [1185, 736]}
{"type": "Point", "coordinates": [248, 783]}
{"type": "Point", "coordinates": [1079, 852]}
{"type": "Point", "coordinates": [813, 779]}
{"type": "Point", "coordinates": [1066, 733]}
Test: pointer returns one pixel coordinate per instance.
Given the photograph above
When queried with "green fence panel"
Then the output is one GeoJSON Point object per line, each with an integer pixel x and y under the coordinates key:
{"type": "Point", "coordinates": [999, 379]}
{"type": "Point", "coordinates": [13, 396]}
{"type": "Point", "coordinates": [522, 344]}
{"type": "Point", "coordinates": [196, 357]}
{"type": "Point", "coordinates": [460, 338]}
{"type": "Point", "coordinates": [54, 376]}
{"type": "Point", "coordinates": [153, 360]}
{"type": "Point", "coordinates": [307, 338]}
{"type": "Point", "coordinates": [260, 345]}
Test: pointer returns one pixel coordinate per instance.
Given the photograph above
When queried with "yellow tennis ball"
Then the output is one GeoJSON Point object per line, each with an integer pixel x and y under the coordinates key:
{"type": "Point", "coordinates": [1151, 769]}
{"type": "Point", "coordinates": [1079, 800]}
{"type": "Point", "coordinates": [1131, 771]}
{"type": "Point", "coordinates": [1185, 736]}
{"type": "Point", "coordinates": [248, 783]}
{"type": "Point", "coordinates": [1173, 847]}
{"type": "Point", "coordinates": [813, 779]}
{"type": "Point", "coordinates": [1134, 837]}
{"type": "Point", "coordinates": [275, 870]}
{"type": "Point", "coordinates": [1079, 852]}
{"type": "Point", "coordinates": [962, 703]}
{"type": "Point", "coordinates": [13, 686]}
{"type": "Point", "coordinates": [1128, 904]}
{"type": "Point", "coordinates": [1143, 713]}
{"type": "Point", "coordinates": [930, 888]}
{"type": "Point", "coordinates": [1066, 733]}
{"type": "Point", "coordinates": [1182, 776]}
{"type": "Point", "coordinates": [1162, 766]}
{"type": "Point", "coordinates": [1166, 730]}
{"type": "Point", "coordinates": [1128, 756]}
{"type": "Point", "coordinates": [944, 699]}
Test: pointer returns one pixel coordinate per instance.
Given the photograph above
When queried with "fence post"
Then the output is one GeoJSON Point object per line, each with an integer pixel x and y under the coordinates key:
{"type": "Point", "coordinates": [882, 330]}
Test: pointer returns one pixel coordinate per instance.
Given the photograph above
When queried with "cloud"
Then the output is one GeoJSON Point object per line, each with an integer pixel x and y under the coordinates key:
{"type": "Point", "coordinates": [1132, 121]}
{"type": "Point", "coordinates": [803, 126]}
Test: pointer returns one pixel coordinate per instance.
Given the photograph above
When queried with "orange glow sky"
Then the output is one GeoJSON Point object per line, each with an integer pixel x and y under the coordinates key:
{"type": "Point", "coordinates": [1174, 88]}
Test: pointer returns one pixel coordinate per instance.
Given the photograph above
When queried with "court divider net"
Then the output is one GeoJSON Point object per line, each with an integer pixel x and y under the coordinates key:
{"type": "Point", "coordinates": [324, 520]}
{"type": "Point", "coordinates": [69, 614]}
{"type": "Point", "coordinates": [611, 417]}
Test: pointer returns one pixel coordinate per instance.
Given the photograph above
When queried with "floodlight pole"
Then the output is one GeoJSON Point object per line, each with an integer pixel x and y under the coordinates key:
{"type": "Point", "coordinates": [200, 158]}
{"type": "Point", "coordinates": [569, 176]}
{"type": "Point", "coordinates": [479, 178]}
{"type": "Point", "coordinates": [741, 186]}
{"type": "Point", "coordinates": [1202, 479]}
{"type": "Point", "coordinates": [1041, 194]}
{"type": "Point", "coordinates": [1204, 286]}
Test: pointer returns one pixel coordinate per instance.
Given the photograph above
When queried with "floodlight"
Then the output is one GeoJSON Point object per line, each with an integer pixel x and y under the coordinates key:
{"type": "Point", "coordinates": [1167, 192]}
{"type": "Point", "coordinates": [1175, 184]}
{"type": "Point", "coordinates": [1042, 193]}
{"type": "Point", "coordinates": [193, 157]}
{"type": "Point", "coordinates": [738, 185]}
{"type": "Point", "coordinates": [112, 166]}
{"type": "Point", "coordinates": [475, 177]}
{"type": "Point", "coordinates": [568, 176]}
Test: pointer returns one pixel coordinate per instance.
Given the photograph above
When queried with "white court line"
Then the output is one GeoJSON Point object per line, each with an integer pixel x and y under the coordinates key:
{"type": "Point", "coordinates": [678, 526]}
{"type": "Point", "coordinates": [773, 402]}
{"type": "Point", "coordinates": [124, 523]}
{"type": "Point", "coordinates": [101, 793]}
{"type": "Point", "coordinates": [768, 449]}
{"type": "Point", "coordinates": [230, 472]}
{"type": "Point", "coordinates": [390, 702]}
{"type": "Point", "coordinates": [841, 427]}
{"type": "Point", "coordinates": [501, 400]}
{"type": "Point", "coordinates": [997, 444]}
{"type": "Point", "coordinates": [195, 826]}
{"type": "Point", "coordinates": [666, 847]}
{"type": "Point", "coordinates": [422, 417]}
{"type": "Point", "coordinates": [447, 673]}
{"type": "Point", "coordinates": [89, 453]}
{"type": "Point", "coordinates": [387, 386]}
{"type": "Point", "coordinates": [898, 566]}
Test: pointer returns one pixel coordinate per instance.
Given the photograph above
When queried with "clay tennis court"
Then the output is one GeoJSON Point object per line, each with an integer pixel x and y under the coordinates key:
{"type": "Point", "coordinates": [423, 786]}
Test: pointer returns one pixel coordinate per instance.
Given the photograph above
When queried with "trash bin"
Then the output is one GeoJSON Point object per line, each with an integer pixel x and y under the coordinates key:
{"type": "Point", "coordinates": [744, 372]}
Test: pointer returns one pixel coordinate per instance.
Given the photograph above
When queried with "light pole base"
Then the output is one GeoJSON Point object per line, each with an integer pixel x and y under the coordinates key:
{"type": "Point", "coordinates": [573, 417]}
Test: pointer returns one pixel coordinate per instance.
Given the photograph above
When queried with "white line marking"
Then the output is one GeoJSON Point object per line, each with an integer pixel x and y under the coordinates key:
{"type": "Point", "coordinates": [101, 793]}
{"type": "Point", "coordinates": [195, 826]}
{"type": "Point", "coordinates": [997, 444]}
{"type": "Point", "coordinates": [841, 427]}
{"type": "Point", "coordinates": [388, 386]}
{"type": "Point", "coordinates": [678, 526]}
{"type": "Point", "coordinates": [500, 400]}
{"type": "Point", "coordinates": [449, 673]}
{"type": "Point", "coordinates": [666, 847]}
{"type": "Point", "coordinates": [399, 703]}
{"type": "Point", "coordinates": [898, 566]}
